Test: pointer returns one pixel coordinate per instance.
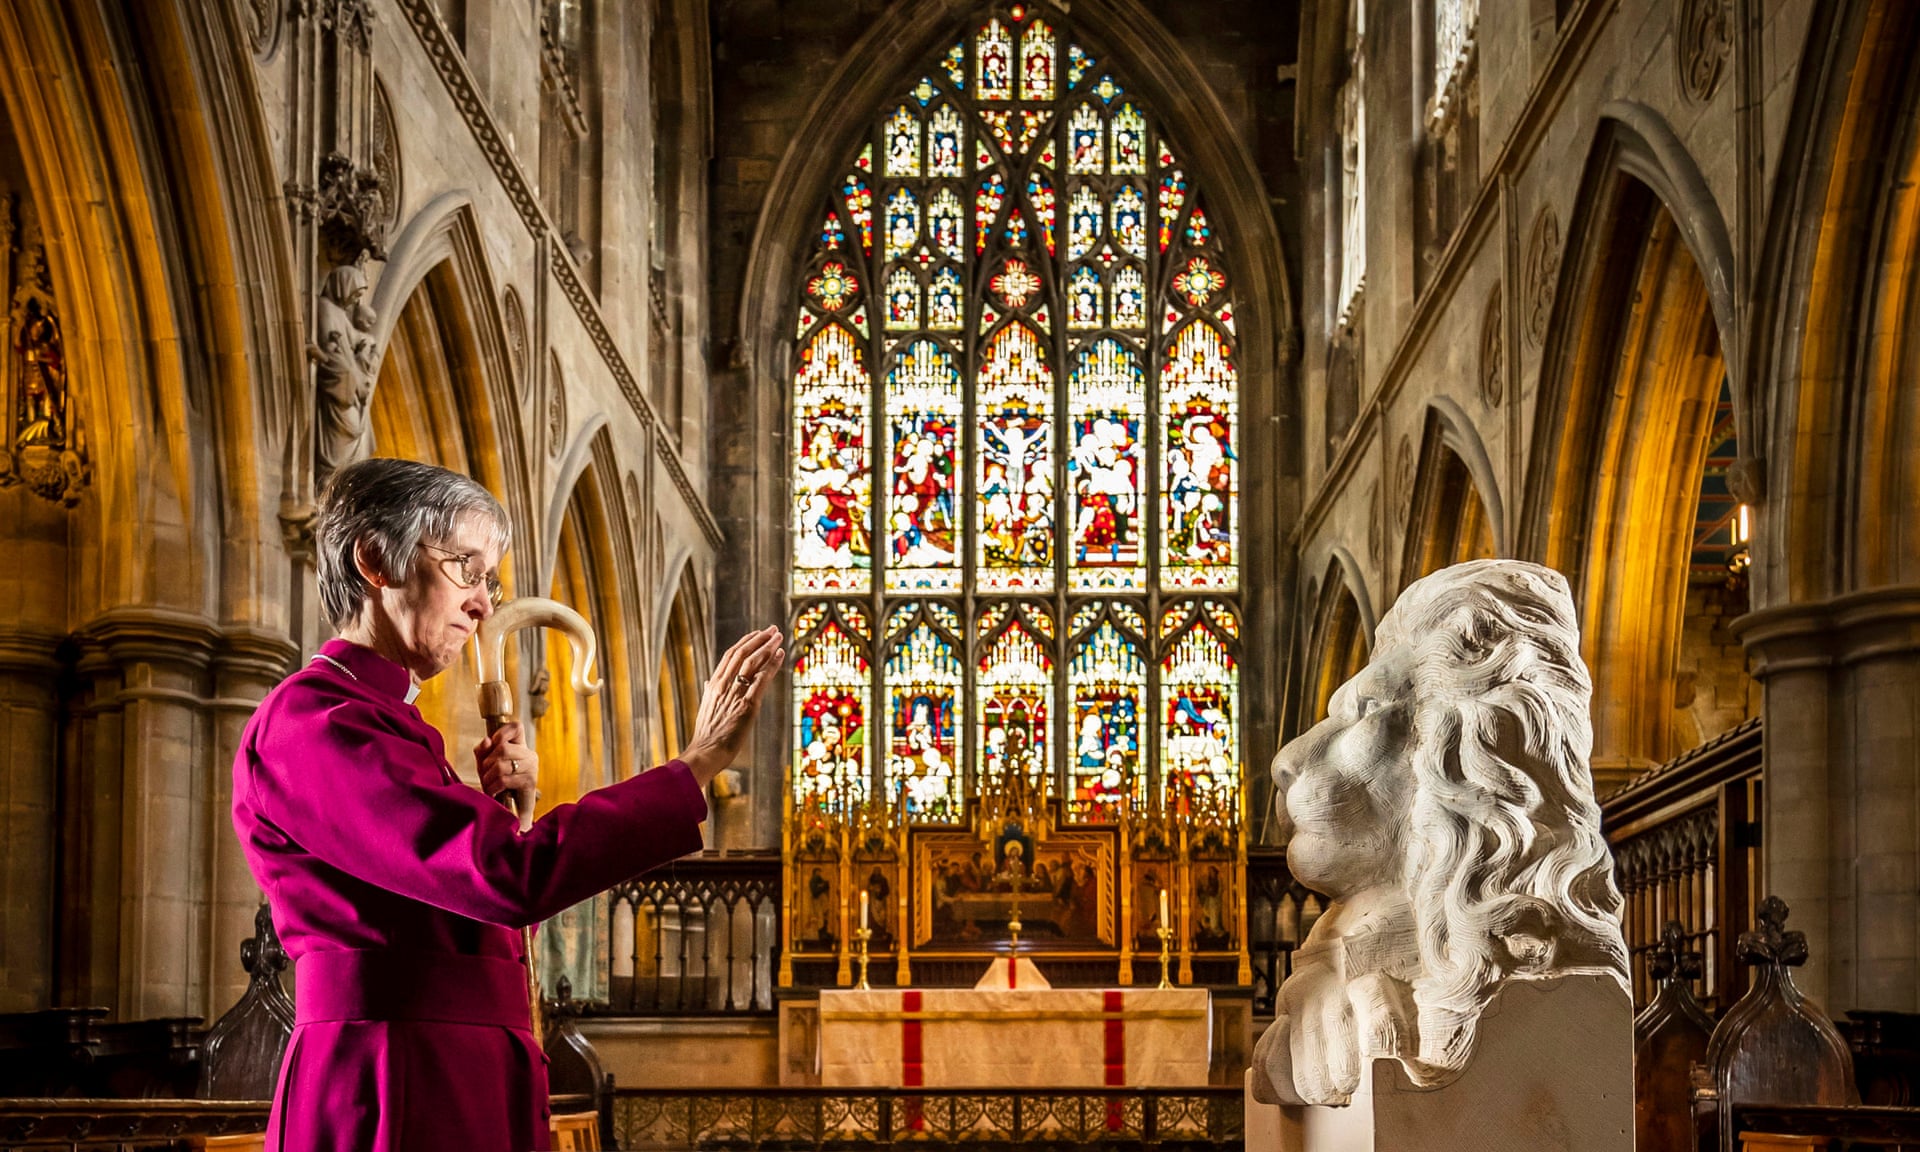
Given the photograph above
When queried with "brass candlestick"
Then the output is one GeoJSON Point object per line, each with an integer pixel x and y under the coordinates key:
{"type": "Point", "coordinates": [1013, 922]}
{"type": "Point", "coordinates": [862, 935]}
{"type": "Point", "coordinates": [1166, 955]}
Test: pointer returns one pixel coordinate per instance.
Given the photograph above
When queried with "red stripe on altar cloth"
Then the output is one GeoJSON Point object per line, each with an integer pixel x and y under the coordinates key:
{"type": "Point", "coordinates": [913, 1071]}
{"type": "Point", "coordinates": [1113, 1002]}
{"type": "Point", "coordinates": [1013, 971]}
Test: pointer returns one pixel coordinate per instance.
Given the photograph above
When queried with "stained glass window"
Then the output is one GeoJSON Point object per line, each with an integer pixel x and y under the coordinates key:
{"type": "Point", "coordinates": [923, 679]}
{"type": "Point", "coordinates": [1038, 347]}
{"type": "Point", "coordinates": [831, 679]}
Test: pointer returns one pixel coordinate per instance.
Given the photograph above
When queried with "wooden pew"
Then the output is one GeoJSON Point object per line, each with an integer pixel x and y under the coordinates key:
{"type": "Point", "coordinates": [1773, 1048]}
{"type": "Point", "coordinates": [1669, 1037]}
{"type": "Point", "coordinates": [48, 1053]}
{"type": "Point", "coordinates": [244, 1047]}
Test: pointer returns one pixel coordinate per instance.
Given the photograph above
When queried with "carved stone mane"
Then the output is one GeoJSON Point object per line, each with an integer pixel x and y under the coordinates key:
{"type": "Point", "coordinates": [1446, 807]}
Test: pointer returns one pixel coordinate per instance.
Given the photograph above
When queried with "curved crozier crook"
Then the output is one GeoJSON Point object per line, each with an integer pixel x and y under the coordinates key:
{"type": "Point", "coordinates": [490, 642]}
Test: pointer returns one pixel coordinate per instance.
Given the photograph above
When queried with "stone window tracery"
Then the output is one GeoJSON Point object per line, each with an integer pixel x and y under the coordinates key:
{"type": "Point", "coordinates": [1456, 26]}
{"type": "Point", "coordinates": [1015, 474]}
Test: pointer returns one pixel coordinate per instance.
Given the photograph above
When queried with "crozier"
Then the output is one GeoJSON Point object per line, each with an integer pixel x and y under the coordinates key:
{"type": "Point", "coordinates": [1446, 809]}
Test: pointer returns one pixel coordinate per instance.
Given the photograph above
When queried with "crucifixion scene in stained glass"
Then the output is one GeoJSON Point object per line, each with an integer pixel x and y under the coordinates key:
{"type": "Point", "coordinates": [1015, 434]}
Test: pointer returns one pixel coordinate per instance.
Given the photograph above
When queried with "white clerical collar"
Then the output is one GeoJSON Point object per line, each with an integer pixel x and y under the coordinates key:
{"type": "Point", "coordinates": [413, 691]}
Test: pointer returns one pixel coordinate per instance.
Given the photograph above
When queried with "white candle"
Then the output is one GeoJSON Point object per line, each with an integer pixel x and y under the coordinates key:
{"type": "Point", "coordinates": [1163, 908]}
{"type": "Point", "coordinates": [863, 911]}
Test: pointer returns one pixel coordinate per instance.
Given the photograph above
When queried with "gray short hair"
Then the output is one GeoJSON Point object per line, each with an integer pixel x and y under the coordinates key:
{"type": "Point", "coordinates": [392, 507]}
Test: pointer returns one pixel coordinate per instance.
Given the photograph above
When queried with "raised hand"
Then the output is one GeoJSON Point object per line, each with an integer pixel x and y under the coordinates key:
{"type": "Point", "coordinates": [730, 702]}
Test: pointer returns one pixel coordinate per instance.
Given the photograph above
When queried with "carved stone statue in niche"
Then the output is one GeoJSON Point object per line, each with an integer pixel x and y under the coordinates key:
{"type": "Point", "coordinates": [46, 443]}
{"type": "Point", "coordinates": [1446, 807]}
{"type": "Point", "coordinates": [345, 371]}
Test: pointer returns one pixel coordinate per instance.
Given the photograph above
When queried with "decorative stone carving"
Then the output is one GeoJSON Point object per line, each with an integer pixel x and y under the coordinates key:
{"type": "Point", "coordinates": [1456, 27]}
{"type": "Point", "coordinates": [264, 18]}
{"type": "Point", "coordinates": [351, 205]}
{"type": "Point", "coordinates": [344, 372]}
{"type": "Point", "coordinates": [384, 148]}
{"type": "Point", "coordinates": [1493, 384]}
{"type": "Point", "coordinates": [1702, 43]}
{"type": "Point", "coordinates": [351, 20]}
{"type": "Point", "coordinates": [1747, 479]}
{"type": "Point", "coordinates": [296, 531]}
{"type": "Point", "coordinates": [556, 409]}
{"type": "Point", "coordinates": [514, 316]}
{"type": "Point", "coordinates": [1543, 273]}
{"type": "Point", "coordinates": [1402, 482]}
{"type": "Point", "coordinates": [1446, 806]}
{"type": "Point", "coordinates": [1376, 543]}
{"type": "Point", "coordinates": [1353, 199]}
{"type": "Point", "coordinates": [45, 446]}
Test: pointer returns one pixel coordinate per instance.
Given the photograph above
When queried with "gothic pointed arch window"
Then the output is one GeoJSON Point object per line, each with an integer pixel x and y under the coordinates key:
{"type": "Point", "coordinates": [1015, 448]}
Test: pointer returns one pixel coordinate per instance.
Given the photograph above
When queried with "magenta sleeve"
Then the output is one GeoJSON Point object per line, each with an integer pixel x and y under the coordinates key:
{"type": "Point", "coordinates": [342, 783]}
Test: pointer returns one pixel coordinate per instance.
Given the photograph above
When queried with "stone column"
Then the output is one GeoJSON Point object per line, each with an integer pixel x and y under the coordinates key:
{"type": "Point", "coordinates": [246, 668]}
{"type": "Point", "coordinates": [145, 768]}
{"type": "Point", "coordinates": [29, 756]}
{"type": "Point", "coordinates": [1841, 825]}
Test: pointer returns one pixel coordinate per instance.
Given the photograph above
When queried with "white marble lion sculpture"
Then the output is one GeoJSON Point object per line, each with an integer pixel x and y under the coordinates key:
{"type": "Point", "coordinates": [1446, 808]}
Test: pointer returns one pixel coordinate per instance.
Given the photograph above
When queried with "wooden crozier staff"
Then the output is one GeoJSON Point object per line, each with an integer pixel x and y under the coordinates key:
{"type": "Point", "coordinates": [496, 704]}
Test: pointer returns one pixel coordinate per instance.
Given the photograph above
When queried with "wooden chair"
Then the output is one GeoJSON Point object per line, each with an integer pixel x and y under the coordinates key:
{"type": "Point", "coordinates": [576, 1132]}
{"type": "Point", "coordinates": [254, 1143]}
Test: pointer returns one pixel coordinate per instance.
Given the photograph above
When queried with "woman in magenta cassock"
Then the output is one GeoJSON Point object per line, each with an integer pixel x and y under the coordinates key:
{"type": "Point", "coordinates": [398, 888]}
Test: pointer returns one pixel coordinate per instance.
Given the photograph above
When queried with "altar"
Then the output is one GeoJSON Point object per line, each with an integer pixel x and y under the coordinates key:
{"type": "Point", "coordinates": [1014, 1037]}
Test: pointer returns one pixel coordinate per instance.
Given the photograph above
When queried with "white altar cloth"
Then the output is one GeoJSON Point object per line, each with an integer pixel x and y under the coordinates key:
{"type": "Point", "coordinates": [1022, 1038]}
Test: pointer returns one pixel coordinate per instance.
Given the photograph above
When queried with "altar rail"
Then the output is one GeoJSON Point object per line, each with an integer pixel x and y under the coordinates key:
{"type": "Point", "coordinates": [794, 1119]}
{"type": "Point", "coordinates": [1686, 847]}
{"type": "Point", "coordinates": [696, 938]}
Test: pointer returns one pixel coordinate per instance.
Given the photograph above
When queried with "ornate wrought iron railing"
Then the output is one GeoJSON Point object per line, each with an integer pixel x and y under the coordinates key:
{"type": "Point", "coordinates": [696, 938]}
{"type": "Point", "coordinates": [819, 1118]}
{"type": "Point", "coordinates": [1686, 844]}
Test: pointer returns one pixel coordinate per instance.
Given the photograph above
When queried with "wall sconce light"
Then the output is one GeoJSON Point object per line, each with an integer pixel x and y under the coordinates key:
{"type": "Point", "coordinates": [1742, 557]}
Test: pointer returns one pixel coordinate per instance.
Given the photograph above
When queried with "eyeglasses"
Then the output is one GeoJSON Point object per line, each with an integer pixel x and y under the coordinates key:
{"type": "Point", "coordinates": [463, 569]}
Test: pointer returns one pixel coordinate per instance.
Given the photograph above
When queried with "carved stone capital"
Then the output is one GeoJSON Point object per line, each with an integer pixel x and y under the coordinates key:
{"type": "Point", "coordinates": [160, 636]}
{"type": "Point", "coordinates": [1748, 479]}
{"type": "Point", "coordinates": [251, 661]}
{"type": "Point", "coordinates": [30, 653]}
{"type": "Point", "coordinates": [296, 532]}
{"type": "Point", "coordinates": [1289, 350]}
{"type": "Point", "coordinates": [1877, 623]}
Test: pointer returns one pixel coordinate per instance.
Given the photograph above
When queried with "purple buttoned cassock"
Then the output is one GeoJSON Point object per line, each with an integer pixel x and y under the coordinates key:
{"type": "Point", "coordinates": [399, 890]}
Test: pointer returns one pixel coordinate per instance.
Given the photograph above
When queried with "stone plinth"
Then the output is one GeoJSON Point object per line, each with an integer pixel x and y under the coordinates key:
{"type": "Point", "coordinates": [1552, 1071]}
